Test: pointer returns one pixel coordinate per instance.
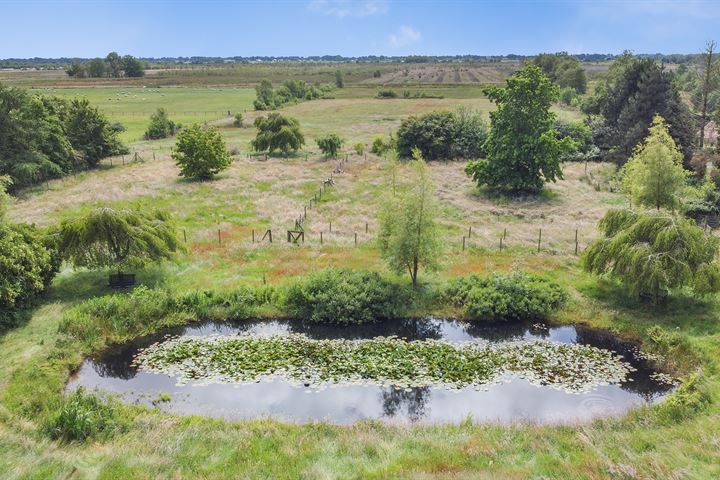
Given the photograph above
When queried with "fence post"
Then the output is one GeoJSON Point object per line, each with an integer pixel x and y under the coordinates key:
{"type": "Point", "coordinates": [576, 241]}
{"type": "Point", "coordinates": [501, 239]}
{"type": "Point", "coordinates": [153, 155]}
{"type": "Point", "coordinates": [270, 232]}
{"type": "Point", "coordinates": [355, 238]}
{"type": "Point", "coordinates": [321, 240]}
{"type": "Point", "coordinates": [366, 227]}
{"type": "Point", "coordinates": [330, 227]}
{"type": "Point", "coordinates": [184, 236]}
{"type": "Point", "coordinates": [253, 235]}
{"type": "Point", "coordinates": [263, 279]}
{"type": "Point", "coordinates": [539, 239]}
{"type": "Point", "coordinates": [463, 243]}
{"type": "Point", "coordinates": [504, 233]}
{"type": "Point", "coordinates": [219, 238]}
{"type": "Point", "coordinates": [470, 231]}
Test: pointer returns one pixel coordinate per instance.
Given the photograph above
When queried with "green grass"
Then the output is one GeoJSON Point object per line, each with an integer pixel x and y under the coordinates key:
{"type": "Point", "coordinates": [676, 439]}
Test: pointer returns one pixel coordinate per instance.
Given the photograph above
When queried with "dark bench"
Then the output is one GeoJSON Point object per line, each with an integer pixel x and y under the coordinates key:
{"type": "Point", "coordinates": [121, 280]}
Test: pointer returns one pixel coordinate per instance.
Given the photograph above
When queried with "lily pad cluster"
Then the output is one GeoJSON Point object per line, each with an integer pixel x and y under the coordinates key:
{"type": "Point", "coordinates": [382, 361]}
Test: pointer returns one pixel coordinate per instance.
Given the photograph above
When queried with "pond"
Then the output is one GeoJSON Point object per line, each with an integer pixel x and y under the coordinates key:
{"type": "Point", "coordinates": [500, 396]}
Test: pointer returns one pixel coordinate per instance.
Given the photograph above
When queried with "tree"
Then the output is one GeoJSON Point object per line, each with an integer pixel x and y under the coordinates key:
{"type": "Point", "coordinates": [339, 80]}
{"type": "Point", "coordinates": [330, 145]}
{"type": "Point", "coordinates": [522, 149]}
{"type": "Point", "coordinates": [652, 253]}
{"type": "Point", "coordinates": [200, 154]}
{"type": "Point", "coordinates": [118, 238]}
{"type": "Point", "coordinates": [96, 68]}
{"type": "Point", "coordinates": [408, 235]}
{"type": "Point", "coordinates": [238, 120]}
{"type": "Point", "coordinates": [276, 132]}
{"type": "Point", "coordinates": [132, 66]}
{"type": "Point", "coordinates": [443, 135]}
{"type": "Point", "coordinates": [265, 96]}
{"type": "Point", "coordinates": [469, 134]}
{"type": "Point", "coordinates": [160, 126]}
{"type": "Point", "coordinates": [654, 175]}
{"type": "Point", "coordinates": [90, 132]}
{"type": "Point", "coordinates": [709, 76]}
{"type": "Point", "coordinates": [76, 70]}
{"type": "Point", "coordinates": [562, 69]}
{"type": "Point", "coordinates": [634, 91]}
{"type": "Point", "coordinates": [114, 64]}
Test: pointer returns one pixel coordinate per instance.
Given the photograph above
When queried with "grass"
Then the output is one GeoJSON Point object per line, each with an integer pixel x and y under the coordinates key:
{"type": "Point", "coordinates": [676, 439]}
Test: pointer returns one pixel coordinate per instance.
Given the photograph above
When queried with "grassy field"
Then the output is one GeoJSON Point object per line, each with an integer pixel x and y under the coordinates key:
{"type": "Point", "coordinates": [673, 440]}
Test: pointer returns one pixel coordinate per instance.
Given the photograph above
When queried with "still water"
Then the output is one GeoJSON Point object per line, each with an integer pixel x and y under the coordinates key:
{"type": "Point", "coordinates": [514, 400]}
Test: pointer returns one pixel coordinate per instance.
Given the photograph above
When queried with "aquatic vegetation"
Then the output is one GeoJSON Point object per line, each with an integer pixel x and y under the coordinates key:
{"type": "Point", "coordinates": [382, 361]}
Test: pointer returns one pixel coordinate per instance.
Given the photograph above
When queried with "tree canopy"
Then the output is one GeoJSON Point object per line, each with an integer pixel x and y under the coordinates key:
{"type": "Point", "coordinates": [654, 252]}
{"type": "Point", "coordinates": [633, 92]}
{"type": "Point", "coordinates": [563, 70]}
{"type": "Point", "coordinates": [200, 153]}
{"type": "Point", "coordinates": [523, 151]}
{"type": "Point", "coordinates": [443, 135]}
{"type": "Point", "coordinates": [160, 126]}
{"type": "Point", "coordinates": [118, 238]}
{"type": "Point", "coordinates": [408, 235]}
{"type": "Point", "coordinates": [330, 144]}
{"type": "Point", "coordinates": [654, 176]}
{"type": "Point", "coordinates": [277, 132]}
{"type": "Point", "coordinates": [44, 137]}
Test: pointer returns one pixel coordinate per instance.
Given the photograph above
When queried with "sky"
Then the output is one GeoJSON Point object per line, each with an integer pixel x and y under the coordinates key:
{"type": "Point", "coordinates": [224, 28]}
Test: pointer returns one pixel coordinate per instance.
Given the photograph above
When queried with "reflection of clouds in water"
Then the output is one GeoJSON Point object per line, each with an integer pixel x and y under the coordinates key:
{"type": "Point", "coordinates": [279, 399]}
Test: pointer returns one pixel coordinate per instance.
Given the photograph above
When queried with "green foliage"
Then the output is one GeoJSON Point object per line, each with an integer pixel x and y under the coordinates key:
{"type": "Point", "coordinates": [522, 149]}
{"type": "Point", "coordinates": [292, 91]}
{"type": "Point", "coordinates": [581, 140]}
{"type": "Point", "coordinates": [330, 144]}
{"type": "Point", "coordinates": [563, 70]}
{"type": "Point", "coordinates": [359, 148]}
{"type": "Point", "coordinates": [381, 144]}
{"type": "Point", "coordinates": [132, 67]}
{"type": "Point", "coordinates": [28, 262]}
{"type": "Point", "coordinates": [633, 92]}
{"type": "Point", "coordinates": [652, 253]}
{"type": "Point", "coordinates": [344, 296]}
{"type": "Point", "coordinates": [90, 132]}
{"type": "Point", "coordinates": [119, 317]}
{"type": "Point", "coordinates": [568, 96]}
{"type": "Point", "coordinates": [443, 135]}
{"type": "Point", "coordinates": [96, 68]}
{"type": "Point", "coordinates": [654, 176]}
{"type": "Point", "coordinates": [387, 94]}
{"type": "Point", "coordinates": [160, 126]}
{"type": "Point", "coordinates": [200, 153]}
{"type": "Point", "coordinates": [276, 132]}
{"type": "Point", "coordinates": [516, 296]}
{"type": "Point", "coordinates": [409, 235]}
{"type": "Point", "coordinates": [339, 80]}
{"type": "Point", "coordinates": [85, 416]}
{"type": "Point", "coordinates": [77, 70]}
{"type": "Point", "coordinates": [238, 120]}
{"type": "Point", "coordinates": [107, 237]}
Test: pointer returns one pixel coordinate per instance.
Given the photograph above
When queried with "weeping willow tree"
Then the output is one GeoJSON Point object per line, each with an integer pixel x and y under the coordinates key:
{"type": "Point", "coordinates": [654, 252]}
{"type": "Point", "coordinates": [118, 238]}
{"type": "Point", "coordinates": [408, 235]}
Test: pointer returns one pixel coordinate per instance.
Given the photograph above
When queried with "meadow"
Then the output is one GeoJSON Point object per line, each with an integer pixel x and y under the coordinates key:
{"type": "Point", "coordinates": [218, 218]}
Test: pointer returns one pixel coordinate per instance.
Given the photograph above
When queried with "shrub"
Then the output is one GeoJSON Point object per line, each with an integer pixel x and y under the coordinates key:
{"type": "Point", "coordinates": [387, 94]}
{"type": "Point", "coordinates": [380, 145]}
{"type": "Point", "coordinates": [277, 132]}
{"type": "Point", "coordinates": [514, 296]}
{"type": "Point", "coordinates": [28, 262]}
{"type": "Point", "coordinates": [83, 416]}
{"type": "Point", "coordinates": [344, 296]}
{"type": "Point", "coordinates": [238, 120]}
{"type": "Point", "coordinates": [443, 135]}
{"type": "Point", "coordinates": [330, 145]}
{"type": "Point", "coordinates": [160, 126]}
{"type": "Point", "coordinates": [200, 153]}
{"type": "Point", "coordinates": [359, 148]}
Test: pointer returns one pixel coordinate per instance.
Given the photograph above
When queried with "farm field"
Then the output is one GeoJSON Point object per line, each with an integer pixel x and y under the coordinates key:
{"type": "Point", "coordinates": [222, 224]}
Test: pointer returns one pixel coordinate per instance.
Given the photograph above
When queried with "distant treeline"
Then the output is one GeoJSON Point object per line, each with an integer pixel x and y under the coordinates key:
{"type": "Point", "coordinates": [56, 63]}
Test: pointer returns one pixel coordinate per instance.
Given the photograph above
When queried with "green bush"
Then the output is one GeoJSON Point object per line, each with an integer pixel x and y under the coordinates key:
{"type": "Point", "coordinates": [380, 144]}
{"type": "Point", "coordinates": [160, 126]}
{"type": "Point", "coordinates": [122, 316]}
{"type": "Point", "coordinates": [514, 296]}
{"type": "Point", "coordinates": [84, 416]}
{"type": "Point", "coordinates": [344, 296]}
{"type": "Point", "coordinates": [387, 94]}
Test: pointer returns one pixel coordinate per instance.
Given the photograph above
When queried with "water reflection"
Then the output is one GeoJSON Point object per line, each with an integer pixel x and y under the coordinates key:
{"type": "Point", "coordinates": [510, 401]}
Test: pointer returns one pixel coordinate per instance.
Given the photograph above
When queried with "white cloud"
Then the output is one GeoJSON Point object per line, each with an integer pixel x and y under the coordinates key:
{"type": "Point", "coordinates": [404, 36]}
{"type": "Point", "coordinates": [349, 8]}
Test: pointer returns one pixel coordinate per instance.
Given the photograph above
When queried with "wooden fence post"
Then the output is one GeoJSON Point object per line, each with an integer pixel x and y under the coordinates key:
{"type": "Point", "coordinates": [501, 239]}
{"type": "Point", "coordinates": [366, 227]}
{"type": "Point", "coordinates": [539, 239]}
{"type": "Point", "coordinates": [253, 235]}
{"type": "Point", "coordinates": [321, 240]}
{"type": "Point", "coordinates": [355, 238]}
{"type": "Point", "coordinates": [184, 236]}
{"type": "Point", "coordinates": [470, 231]}
{"type": "Point", "coordinates": [330, 227]}
{"type": "Point", "coordinates": [219, 238]}
{"type": "Point", "coordinates": [576, 241]}
{"type": "Point", "coordinates": [463, 243]}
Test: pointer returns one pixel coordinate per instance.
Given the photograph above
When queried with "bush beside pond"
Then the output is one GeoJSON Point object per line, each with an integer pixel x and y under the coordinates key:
{"type": "Point", "coordinates": [84, 416]}
{"type": "Point", "coordinates": [345, 296]}
{"type": "Point", "coordinates": [503, 297]}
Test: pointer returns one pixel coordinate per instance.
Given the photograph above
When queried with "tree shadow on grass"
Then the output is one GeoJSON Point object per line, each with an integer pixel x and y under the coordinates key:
{"type": "Point", "coordinates": [695, 315]}
{"type": "Point", "coordinates": [545, 196]}
{"type": "Point", "coordinates": [78, 285]}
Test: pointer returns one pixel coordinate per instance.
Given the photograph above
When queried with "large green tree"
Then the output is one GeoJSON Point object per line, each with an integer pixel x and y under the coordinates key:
{"type": "Point", "coordinates": [523, 151]}
{"type": "Point", "coordinates": [90, 132]}
{"type": "Point", "coordinates": [277, 132]}
{"type": "Point", "coordinates": [652, 253]}
{"type": "Point", "coordinates": [200, 153]}
{"type": "Point", "coordinates": [632, 93]}
{"type": "Point", "coordinates": [654, 176]}
{"type": "Point", "coordinates": [408, 234]}
{"type": "Point", "coordinates": [330, 144]}
{"type": "Point", "coordinates": [118, 238]}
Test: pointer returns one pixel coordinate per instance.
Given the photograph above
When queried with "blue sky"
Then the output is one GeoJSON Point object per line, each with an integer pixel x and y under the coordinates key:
{"type": "Point", "coordinates": [86, 28]}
